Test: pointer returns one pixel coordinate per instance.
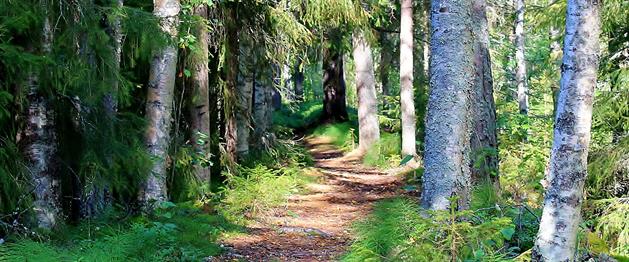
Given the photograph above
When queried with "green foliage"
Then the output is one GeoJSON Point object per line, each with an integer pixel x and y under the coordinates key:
{"type": "Point", "coordinates": [264, 180]}
{"type": "Point", "coordinates": [610, 218]}
{"type": "Point", "coordinates": [385, 153]}
{"type": "Point", "coordinates": [302, 116]}
{"type": "Point", "coordinates": [343, 135]}
{"type": "Point", "coordinates": [172, 233]}
{"type": "Point", "coordinates": [396, 231]}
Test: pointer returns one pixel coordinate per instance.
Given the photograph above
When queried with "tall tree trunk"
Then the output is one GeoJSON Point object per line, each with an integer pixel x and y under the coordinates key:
{"type": "Point", "coordinates": [556, 239]}
{"type": "Point", "coordinates": [98, 196]}
{"type": "Point", "coordinates": [426, 39]}
{"type": "Point", "coordinates": [200, 96]}
{"type": "Point", "coordinates": [368, 125]}
{"type": "Point", "coordinates": [334, 104]}
{"type": "Point", "coordinates": [231, 77]}
{"type": "Point", "coordinates": [159, 104]}
{"type": "Point", "coordinates": [264, 87]}
{"type": "Point", "coordinates": [246, 78]}
{"type": "Point", "coordinates": [484, 139]}
{"type": "Point", "coordinates": [520, 70]}
{"type": "Point", "coordinates": [38, 139]}
{"type": "Point", "coordinates": [384, 66]}
{"type": "Point", "coordinates": [448, 121]}
{"type": "Point", "coordinates": [298, 80]}
{"type": "Point", "coordinates": [555, 55]}
{"type": "Point", "coordinates": [407, 99]}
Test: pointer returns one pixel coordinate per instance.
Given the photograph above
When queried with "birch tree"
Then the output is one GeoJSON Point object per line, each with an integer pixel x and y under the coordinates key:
{"type": "Point", "coordinates": [368, 125]}
{"type": "Point", "coordinates": [160, 99]}
{"type": "Point", "coordinates": [407, 100]}
{"type": "Point", "coordinates": [39, 142]}
{"type": "Point", "coordinates": [446, 157]}
{"type": "Point", "coordinates": [246, 78]}
{"type": "Point", "coordinates": [556, 239]}
{"type": "Point", "coordinates": [520, 68]}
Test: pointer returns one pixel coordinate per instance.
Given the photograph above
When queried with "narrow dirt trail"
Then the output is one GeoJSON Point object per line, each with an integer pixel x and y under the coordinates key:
{"type": "Point", "coordinates": [315, 226]}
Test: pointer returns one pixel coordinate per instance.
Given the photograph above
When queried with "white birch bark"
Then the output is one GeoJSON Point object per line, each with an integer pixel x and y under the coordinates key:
{"type": "Point", "coordinates": [556, 239]}
{"type": "Point", "coordinates": [520, 71]}
{"type": "Point", "coordinates": [262, 114]}
{"type": "Point", "coordinates": [368, 125]}
{"type": "Point", "coordinates": [407, 98]}
{"type": "Point", "coordinates": [159, 104]}
{"type": "Point", "coordinates": [446, 158]}
{"type": "Point", "coordinates": [246, 77]}
{"type": "Point", "coordinates": [40, 144]}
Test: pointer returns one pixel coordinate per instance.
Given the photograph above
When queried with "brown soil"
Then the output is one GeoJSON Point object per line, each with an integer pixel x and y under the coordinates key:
{"type": "Point", "coordinates": [315, 226]}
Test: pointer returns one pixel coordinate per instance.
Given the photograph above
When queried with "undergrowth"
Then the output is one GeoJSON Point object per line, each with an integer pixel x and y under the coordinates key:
{"type": "Point", "coordinates": [398, 231]}
{"type": "Point", "coordinates": [171, 233]}
{"type": "Point", "coordinates": [386, 153]}
{"type": "Point", "coordinates": [265, 179]}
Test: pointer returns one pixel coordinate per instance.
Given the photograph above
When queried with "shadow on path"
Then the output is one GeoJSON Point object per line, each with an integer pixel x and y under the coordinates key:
{"type": "Point", "coordinates": [315, 226]}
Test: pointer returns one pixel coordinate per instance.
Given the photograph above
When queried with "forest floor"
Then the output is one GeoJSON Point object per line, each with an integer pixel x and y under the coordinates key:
{"type": "Point", "coordinates": [316, 225]}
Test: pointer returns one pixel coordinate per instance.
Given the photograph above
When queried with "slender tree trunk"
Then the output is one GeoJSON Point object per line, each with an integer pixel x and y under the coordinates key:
{"type": "Point", "coordinates": [159, 104]}
{"type": "Point", "coordinates": [520, 71]}
{"type": "Point", "coordinates": [426, 37]}
{"type": "Point", "coordinates": [115, 31]}
{"type": "Point", "coordinates": [555, 55]}
{"type": "Point", "coordinates": [484, 139]}
{"type": "Point", "coordinates": [384, 66]}
{"type": "Point", "coordinates": [98, 196]}
{"type": "Point", "coordinates": [246, 78]}
{"type": "Point", "coordinates": [200, 96]}
{"type": "Point", "coordinates": [38, 140]}
{"type": "Point", "coordinates": [298, 79]}
{"type": "Point", "coordinates": [556, 239]}
{"type": "Point", "coordinates": [368, 125]}
{"type": "Point", "coordinates": [407, 98]}
{"type": "Point", "coordinates": [448, 121]}
{"type": "Point", "coordinates": [231, 77]}
{"type": "Point", "coordinates": [334, 104]}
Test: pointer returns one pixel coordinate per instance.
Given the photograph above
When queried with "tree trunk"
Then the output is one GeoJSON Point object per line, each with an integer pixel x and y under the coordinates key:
{"type": "Point", "coordinates": [246, 78]}
{"type": "Point", "coordinates": [231, 77]}
{"type": "Point", "coordinates": [555, 55]}
{"type": "Point", "coordinates": [200, 97]}
{"type": "Point", "coordinates": [263, 102]}
{"type": "Point", "coordinates": [38, 140]}
{"type": "Point", "coordinates": [484, 139]}
{"type": "Point", "coordinates": [368, 125]}
{"type": "Point", "coordinates": [448, 121]}
{"type": "Point", "coordinates": [98, 196]}
{"type": "Point", "coordinates": [159, 104]}
{"type": "Point", "coordinates": [426, 39]}
{"type": "Point", "coordinates": [407, 99]}
{"type": "Point", "coordinates": [298, 80]}
{"type": "Point", "coordinates": [520, 71]}
{"type": "Point", "coordinates": [556, 239]}
{"type": "Point", "coordinates": [384, 66]}
{"type": "Point", "coordinates": [334, 104]}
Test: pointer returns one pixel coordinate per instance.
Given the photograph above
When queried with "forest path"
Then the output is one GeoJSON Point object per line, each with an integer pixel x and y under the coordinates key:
{"type": "Point", "coordinates": [315, 226]}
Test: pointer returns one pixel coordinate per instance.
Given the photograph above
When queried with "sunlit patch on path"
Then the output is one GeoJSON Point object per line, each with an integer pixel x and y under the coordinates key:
{"type": "Point", "coordinates": [315, 226]}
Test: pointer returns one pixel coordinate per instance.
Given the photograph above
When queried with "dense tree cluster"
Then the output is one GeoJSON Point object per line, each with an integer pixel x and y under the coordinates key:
{"type": "Point", "coordinates": [127, 104]}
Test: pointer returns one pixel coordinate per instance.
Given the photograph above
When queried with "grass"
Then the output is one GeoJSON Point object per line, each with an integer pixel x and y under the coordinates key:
{"type": "Point", "coordinates": [386, 153]}
{"type": "Point", "coordinates": [397, 231]}
{"type": "Point", "coordinates": [186, 231]}
{"type": "Point", "coordinates": [172, 233]}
